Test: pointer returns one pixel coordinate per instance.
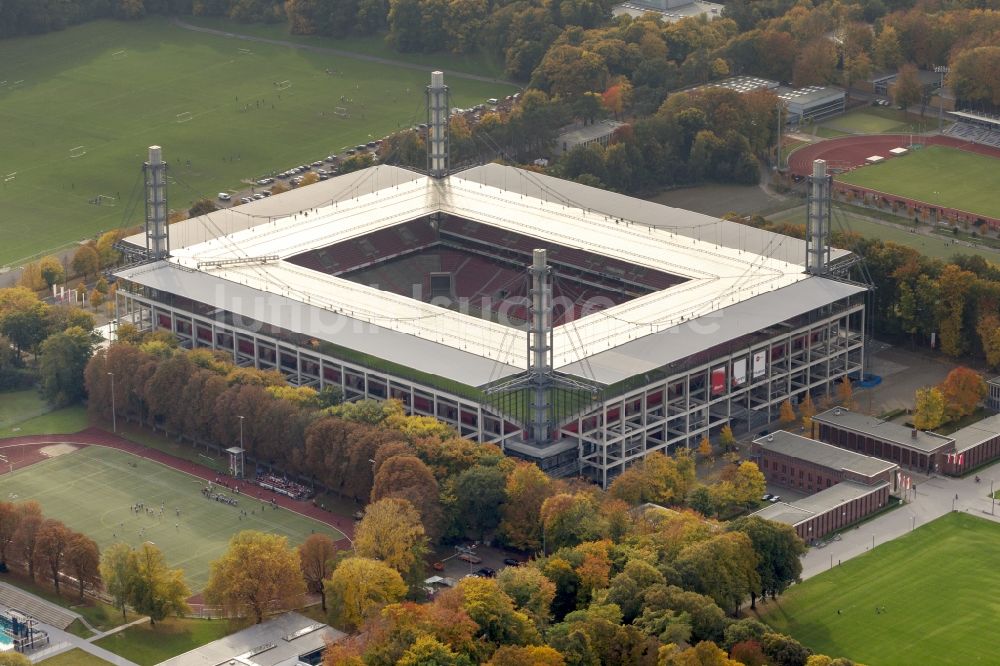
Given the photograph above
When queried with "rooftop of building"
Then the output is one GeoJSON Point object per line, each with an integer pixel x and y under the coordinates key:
{"type": "Point", "coordinates": [809, 94]}
{"type": "Point", "coordinates": [819, 453]}
{"type": "Point", "coordinates": [577, 134]}
{"type": "Point", "coordinates": [799, 511]}
{"type": "Point", "coordinates": [887, 431]}
{"type": "Point", "coordinates": [745, 84]}
{"type": "Point", "coordinates": [635, 9]}
{"type": "Point", "coordinates": [277, 642]}
{"type": "Point", "coordinates": [739, 280]}
{"type": "Point", "coordinates": [976, 433]}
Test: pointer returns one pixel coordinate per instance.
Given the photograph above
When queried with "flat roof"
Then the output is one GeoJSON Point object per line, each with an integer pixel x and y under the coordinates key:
{"type": "Point", "coordinates": [977, 433]}
{"type": "Point", "coordinates": [809, 94]}
{"type": "Point", "coordinates": [820, 453]}
{"type": "Point", "coordinates": [578, 134]}
{"type": "Point", "coordinates": [275, 642]}
{"type": "Point", "coordinates": [978, 117]}
{"type": "Point", "coordinates": [926, 442]}
{"type": "Point", "coordinates": [828, 499]}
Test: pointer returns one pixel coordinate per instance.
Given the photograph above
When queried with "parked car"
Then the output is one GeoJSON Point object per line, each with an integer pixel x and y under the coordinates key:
{"type": "Point", "coordinates": [511, 562]}
{"type": "Point", "coordinates": [470, 558]}
{"type": "Point", "coordinates": [265, 181]}
{"type": "Point", "coordinates": [775, 499]}
{"type": "Point", "coordinates": [318, 163]}
{"type": "Point", "coordinates": [350, 151]}
{"type": "Point", "coordinates": [224, 197]}
{"type": "Point", "coordinates": [767, 497]}
{"type": "Point", "coordinates": [245, 200]}
{"type": "Point", "coordinates": [486, 572]}
{"type": "Point", "coordinates": [258, 196]}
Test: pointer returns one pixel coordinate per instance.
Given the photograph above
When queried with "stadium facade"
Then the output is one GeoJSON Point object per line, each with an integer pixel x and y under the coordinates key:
{"type": "Point", "coordinates": [571, 326]}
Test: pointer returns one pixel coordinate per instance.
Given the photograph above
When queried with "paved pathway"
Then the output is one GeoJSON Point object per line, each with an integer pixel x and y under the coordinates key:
{"type": "Point", "coordinates": [338, 52]}
{"type": "Point", "coordinates": [934, 498]}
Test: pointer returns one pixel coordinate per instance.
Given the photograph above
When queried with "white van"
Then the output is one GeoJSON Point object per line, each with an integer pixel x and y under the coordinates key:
{"type": "Point", "coordinates": [493, 101]}
{"type": "Point", "coordinates": [224, 197]}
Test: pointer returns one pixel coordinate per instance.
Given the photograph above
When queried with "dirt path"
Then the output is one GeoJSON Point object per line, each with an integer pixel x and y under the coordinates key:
{"type": "Point", "coordinates": [337, 52]}
{"type": "Point", "coordinates": [29, 449]}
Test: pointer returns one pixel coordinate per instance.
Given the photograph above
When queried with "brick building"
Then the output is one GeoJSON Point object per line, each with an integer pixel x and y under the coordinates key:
{"type": "Point", "coordinates": [975, 445]}
{"type": "Point", "coordinates": [908, 447]}
{"type": "Point", "coordinates": [846, 486]}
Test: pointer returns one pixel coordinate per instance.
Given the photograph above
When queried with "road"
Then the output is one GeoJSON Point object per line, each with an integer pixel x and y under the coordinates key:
{"type": "Point", "coordinates": [337, 52]}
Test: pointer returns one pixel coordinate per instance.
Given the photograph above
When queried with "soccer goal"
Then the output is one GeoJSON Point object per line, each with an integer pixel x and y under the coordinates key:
{"type": "Point", "coordinates": [184, 117]}
{"type": "Point", "coordinates": [283, 85]}
{"type": "Point", "coordinates": [10, 176]}
{"type": "Point", "coordinates": [78, 151]}
{"type": "Point", "coordinates": [245, 52]}
{"type": "Point", "coordinates": [119, 55]}
{"type": "Point", "coordinates": [341, 111]}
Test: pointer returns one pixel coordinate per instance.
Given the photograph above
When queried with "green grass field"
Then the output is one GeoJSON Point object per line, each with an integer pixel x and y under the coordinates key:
{"type": "Point", "coordinates": [79, 107]}
{"type": "Point", "coordinates": [92, 488]}
{"type": "Point", "coordinates": [146, 645]}
{"type": "Point", "coordinates": [938, 175]}
{"type": "Point", "coordinates": [74, 657]}
{"type": "Point", "coordinates": [938, 585]}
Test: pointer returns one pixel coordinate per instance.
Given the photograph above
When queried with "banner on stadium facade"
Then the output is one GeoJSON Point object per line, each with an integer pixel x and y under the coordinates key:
{"type": "Point", "coordinates": [759, 364]}
{"type": "Point", "coordinates": [718, 381]}
{"type": "Point", "coordinates": [739, 372]}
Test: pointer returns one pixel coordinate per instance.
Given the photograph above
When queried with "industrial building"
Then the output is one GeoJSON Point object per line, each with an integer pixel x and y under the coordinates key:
{"type": "Point", "coordinates": [573, 327]}
{"type": "Point", "coordinates": [810, 103]}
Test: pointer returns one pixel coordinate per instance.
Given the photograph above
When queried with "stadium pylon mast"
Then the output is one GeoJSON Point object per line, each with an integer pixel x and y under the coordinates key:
{"type": "Point", "coordinates": [438, 159]}
{"type": "Point", "coordinates": [157, 236]}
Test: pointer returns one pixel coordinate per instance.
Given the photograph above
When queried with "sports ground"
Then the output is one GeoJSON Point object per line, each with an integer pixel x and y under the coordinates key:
{"type": "Point", "coordinates": [938, 175]}
{"type": "Point", "coordinates": [92, 489]}
{"type": "Point", "coordinates": [939, 589]}
{"type": "Point", "coordinates": [79, 107]}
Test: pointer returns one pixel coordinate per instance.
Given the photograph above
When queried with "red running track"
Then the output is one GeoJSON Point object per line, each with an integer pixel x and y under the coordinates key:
{"type": "Point", "coordinates": [98, 437]}
{"type": "Point", "coordinates": [848, 152]}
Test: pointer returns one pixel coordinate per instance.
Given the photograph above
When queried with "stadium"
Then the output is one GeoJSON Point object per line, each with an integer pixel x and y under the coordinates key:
{"type": "Point", "coordinates": [571, 326]}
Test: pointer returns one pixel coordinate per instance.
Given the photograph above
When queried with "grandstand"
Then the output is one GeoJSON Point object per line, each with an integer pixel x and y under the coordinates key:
{"type": "Point", "coordinates": [639, 328]}
{"type": "Point", "coordinates": [982, 128]}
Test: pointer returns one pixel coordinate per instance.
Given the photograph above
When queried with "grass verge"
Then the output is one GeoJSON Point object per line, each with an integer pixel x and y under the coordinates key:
{"type": "Point", "coordinates": [146, 644]}
{"type": "Point", "coordinates": [74, 657]}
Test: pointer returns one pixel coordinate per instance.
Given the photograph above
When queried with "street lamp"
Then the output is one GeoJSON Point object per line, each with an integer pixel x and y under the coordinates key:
{"type": "Point", "coordinates": [993, 500]}
{"type": "Point", "coordinates": [913, 523]}
{"type": "Point", "coordinates": [942, 70]}
{"type": "Point", "coordinates": [241, 430]}
{"type": "Point", "coordinates": [114, 416]}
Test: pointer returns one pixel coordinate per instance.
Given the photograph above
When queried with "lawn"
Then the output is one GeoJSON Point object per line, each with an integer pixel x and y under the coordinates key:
{"type": "Point", "coordinates": [74, 657]}
{"type": "Point", "coordinates": [18, 406]}
{"type": "Point", "coordinates": [937, 584]}
{"type": "Point", "coordinates": [57, 422]}
{"type": "Point", "coordinates": [92, 489]}
{"type": "Point", "coordinates": [79, 107]}
{"type": "Point", "coordinates": [938, 175]}
{"type": "Point", "coordinates": [147, 645]}
{"type": "Point", "coordinates": [878, 120]}
{"type": "Point", "coordinates": [931, 245]}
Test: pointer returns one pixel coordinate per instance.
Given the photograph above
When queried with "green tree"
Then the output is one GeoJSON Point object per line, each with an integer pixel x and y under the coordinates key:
{"type": "Point", "coordinates": [907, 89]}
{"type": "Point", "coordinates": [726, 438]}
{"type": "Point", "coordinates": [481, 492]}
{"type": "Point", "coordinates": [155, 590]}
{"type": "Point", "coordinates": [64, 357]}
{"type": "Point", "coordinates": [779, 551]}
{"type": "Point", "coordinates": [494, 612]}
{"type": "Point", "coordinates": [723, 567]}
{"type": "Point", "coordinates": [24, 323]}
{"type": "Point", "coordinates": [929, 411]}
{"type": "Point", "coordinates": [954, 285]}
{"type": "Point", "coordinates": [359, 586]}
{"type": "Point", "coordinates": [201, 207]}
{"type": "Point", "coordinates": [258, 572]}
{"type": "Point", "coordinates": [526, 489]}
{"type": "Point", "coordinates": [118, 570]}
{"type": "Point", "coordinates": [568, 520]}
{"type": "Point", "coordinates": [531, 592]}
{"type": "Point", "coordinates": [429, 651]}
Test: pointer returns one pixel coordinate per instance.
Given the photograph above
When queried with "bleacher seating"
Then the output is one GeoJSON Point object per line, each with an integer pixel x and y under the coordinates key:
{"type": "Point", "coordinates": [975, 134]}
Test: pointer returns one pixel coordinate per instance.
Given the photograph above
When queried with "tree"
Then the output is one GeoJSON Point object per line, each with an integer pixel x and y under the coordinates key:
{"type": "Point", "coordinates": [316, 555]}
{"type": "Point", "coordinates": [481, 491]}
{"type": "Point", "coordinates": [779, 550]}
{"type": "Point", "coordinates": [83, 559]}
{"type": "Point", "coordinates": [118, 570]}
{"type": "Point", "coordinates": [954, 285]}
{"type": "Point", "coordinates": [392, 533]}
{"type": "Point", "coordinates": [723, 567]}
{"type": "Point", "coordinates": [51, 270]}
{"type": "Point", "coordinates": [359, 586]}
{"type": "Point", "coordinates": [807, 410]}
{"type": "Point", "coordinates": [705, 653]}
{"type": "Point", "coordinates": [907, 89]}
{"type": "Point", "coordinates": [26, 536]}
{"type": "Point", "coordinates": [726, 438]}
{"type": "Point", "coordinates": [536, 655]}
{"type": "Point", "coordinates": [31, 278]}
{"type": "Point", "coordinates": [201, 207]}
{"type": "Point", "coordinates": [259, 571]}
{"type": "Point", "coordinates": [963, 390]}
{"type": "Point", "coordinates": [888, 53]}
{"type": "Point", "coordinates": [705, 448]}
{"type": "Point", "coordinates": [25, 323]}
{"type": "Point", "coordinates": [155, 590]}
{"type": "Point", "coordinates": [10, 518]}
{"type": "Point", "coordinates": [407, 477]}
{"type": "Point", "coordinates": [86, 261]}
{"type": "Point", "coordinates": [50, 550]}
{"type": "Point", "coordinates": [929, 411]}
{"type": "Point", "coordinates": [531, 592]}
{"type": "Point", "coordinates": [568, 520]}
{"type": "Point", "coordinates": [845, 392]}
{"type": "Point", "coordinates": [783, 650]}
{"type": "Point", "coordinates": [494, 612]}
{"type": "Point", "coordinates": [64, 358]}
{"type": "Point", "coordinates": [988, 329]}
{"type": "Point", "coordinates": [427, 650]}
{"type": "Point", "coordinates": [526, 489]}
{"type": "Point", "coordinates": [740, 486]}
{"type": "Point", "coordinates": [787, 413]}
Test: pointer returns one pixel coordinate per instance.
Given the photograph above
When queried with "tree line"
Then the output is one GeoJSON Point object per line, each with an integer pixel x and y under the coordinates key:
{"type": "Point", "coordinates": [956, 301]}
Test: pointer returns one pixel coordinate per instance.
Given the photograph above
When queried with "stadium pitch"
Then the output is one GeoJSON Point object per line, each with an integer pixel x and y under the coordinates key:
{"type": "Point", "coordinates": [93, 97]}
{"type": "Point", "coordinates": [92, 489]}
{"type": "Point", "coordinates": [935, 591]}
{"type": "Point", "coordinates": [938, 175]}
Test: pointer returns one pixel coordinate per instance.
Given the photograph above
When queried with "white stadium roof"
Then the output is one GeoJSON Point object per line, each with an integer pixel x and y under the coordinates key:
{"type": "Point", "coordinates": [751, 277]}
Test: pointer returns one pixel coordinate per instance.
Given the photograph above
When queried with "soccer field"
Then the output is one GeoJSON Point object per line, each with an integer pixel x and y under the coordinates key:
{"type": "Point", "coordinates": [92, 489]}
{"type": "Point", "coordinates": [79, 107]}
{"type": "Point", "coordinates": [940, 586]}
{"type": "Point", "coordinates": [938, 175]}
